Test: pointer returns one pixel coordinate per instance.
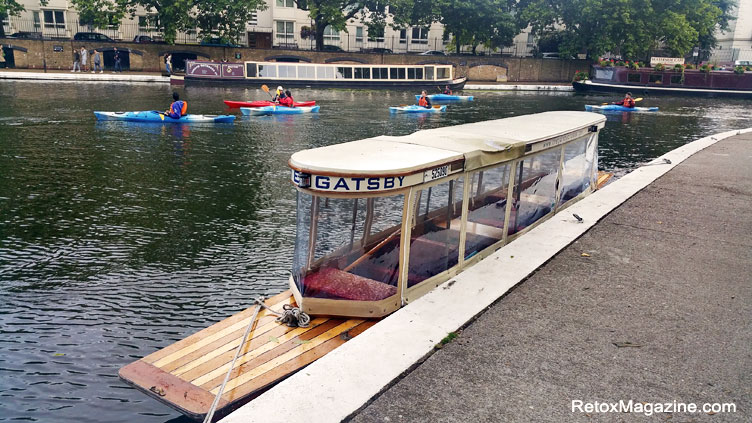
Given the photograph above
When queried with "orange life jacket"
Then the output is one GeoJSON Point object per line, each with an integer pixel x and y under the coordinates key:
{"type": "Point", "coordinates": [423, 102]}
{"type": "Point", "coordinates": [628, 102]}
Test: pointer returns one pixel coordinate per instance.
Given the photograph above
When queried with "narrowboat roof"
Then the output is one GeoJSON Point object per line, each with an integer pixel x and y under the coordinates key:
{"type": "Point", "coordinates": [478, 144]}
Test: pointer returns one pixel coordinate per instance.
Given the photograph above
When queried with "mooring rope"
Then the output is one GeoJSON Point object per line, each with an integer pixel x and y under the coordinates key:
{"type": "Point", "coordinates": [290, 316]}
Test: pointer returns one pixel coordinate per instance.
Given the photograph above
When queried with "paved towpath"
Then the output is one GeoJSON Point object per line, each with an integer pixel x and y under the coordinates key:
{"type": "Point", "coordinates": [653, 304]}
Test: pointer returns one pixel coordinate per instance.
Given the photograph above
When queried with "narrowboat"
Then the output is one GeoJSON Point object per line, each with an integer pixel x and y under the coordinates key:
{"type": "Point", "coordinates": [380, 222]}
{"type": "Point", "coordinates": [315, 75]}
{"type": "Point", "coordinates": [647, 81]}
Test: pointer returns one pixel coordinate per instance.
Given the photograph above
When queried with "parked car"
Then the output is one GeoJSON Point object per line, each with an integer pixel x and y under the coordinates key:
{"type": "Point", "coordinates": [550, 56]}
{"type": "Point", "coordinates": [92, 36]}
{"type": "Point", "coordinates": [218, 42]}
{"type": "Point", "coordinates": [26, 35]}
{"type": "Point", "coordinates": [332, 48]}
{"type": "Point", "coordinates": [432, 53]}
{"type": "Point", "coordinates": [378, 50]}
{"type": "Point", "coordinates": [147, 39]}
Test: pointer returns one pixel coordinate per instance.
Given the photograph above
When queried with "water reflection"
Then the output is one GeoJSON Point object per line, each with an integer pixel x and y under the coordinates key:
{"type": "Point", "coordinates": [117, 239]}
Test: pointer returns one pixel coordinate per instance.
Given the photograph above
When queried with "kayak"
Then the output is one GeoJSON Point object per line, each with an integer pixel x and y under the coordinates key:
{"type": "Point", "coordinates": [618, 108]}
{"type": "Point", "coordinates": [277, 110]}
{"type": "Point", "coordinates": [447, 97]}
{"type": "Point", "coordinates": [263, 103]}
{"type": "Point", "coordinates": [417, 109]}
{"type": "Point", "coordinates": [159, 117]}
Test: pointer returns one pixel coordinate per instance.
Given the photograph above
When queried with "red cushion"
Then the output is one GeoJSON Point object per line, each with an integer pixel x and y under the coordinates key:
{"type": "Point", "coordinates": [334, 283]}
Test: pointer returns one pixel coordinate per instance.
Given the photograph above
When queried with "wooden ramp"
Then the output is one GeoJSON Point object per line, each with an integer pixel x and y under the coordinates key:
{"type": "Point", "coordinates": [187, 374]}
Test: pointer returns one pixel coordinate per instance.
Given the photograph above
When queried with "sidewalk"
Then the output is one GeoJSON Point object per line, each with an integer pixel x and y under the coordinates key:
{"type": "Point", "coordinates": [653, 304]}
{"type": "Point", "coordinates": [62, 75]}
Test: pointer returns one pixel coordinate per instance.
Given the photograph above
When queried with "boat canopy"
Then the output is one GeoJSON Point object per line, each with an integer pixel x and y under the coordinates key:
{"type": "Point", "coordinates": [381, 221]}
{"type": "Point", "coordinates": [476, 145]}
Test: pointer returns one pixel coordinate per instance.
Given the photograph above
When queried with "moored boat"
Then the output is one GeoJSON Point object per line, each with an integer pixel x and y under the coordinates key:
{"type": "Point", "coordinates": [316, 75]}
{"type": "Point", "coordinates": [618, 108]}
{"type": "Point", "coordinates": [161, 117]}
{"type": "Point", "coordinates": [381, 222]}
{"type": "Point", "coordinates": [417, 109]}
{"type": "Point", "coordinates": [263, 103]}
{"type": "Point", "coordinates": [278, 110]}
{"type": "Point", "coordinates": [447, 97]}
{"type": "Point", "coordinates": [622, 79]}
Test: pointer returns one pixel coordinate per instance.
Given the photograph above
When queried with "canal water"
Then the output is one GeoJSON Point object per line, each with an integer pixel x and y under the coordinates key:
{"type": "Point", "coordinates": [117, 239]}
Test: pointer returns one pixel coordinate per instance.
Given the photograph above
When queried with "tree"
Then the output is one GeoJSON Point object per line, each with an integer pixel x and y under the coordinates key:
{"type": "Point", "coordinates": [336, 13]}
{"type": "Point", "coordinates": [632, 28]}
{"type": "Point", "coordinates": [10, 8]}
{"type": "Point", "coordinates": [222, 18]}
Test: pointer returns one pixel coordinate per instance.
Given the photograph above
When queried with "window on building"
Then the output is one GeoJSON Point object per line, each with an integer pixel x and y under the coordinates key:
{"type": "Point", "coordinates": [254, 19]}
{"type": "Point", "coordinates": [285, 30]}
{"type": "Point", "coordinates": [37, 20]}
{"type": "Point", "coordinates": [147, 23]}
{"type": "Point", "coordinates": [419, 35]}
{"type": "Point", "coordinates": [359, 34]}
{"type": "Point", "coordinates": [331, 34]}
{"type": "Point", "coordinates": [376, 35]}
{"type": "Point", "coordinates": [530, 39]}
{"type": "Point", "coordinates": [403, 36]}
{"type": "Point", "coordinates": [54, 19]}
{"type": "Point", "coordinates": [285, 3]}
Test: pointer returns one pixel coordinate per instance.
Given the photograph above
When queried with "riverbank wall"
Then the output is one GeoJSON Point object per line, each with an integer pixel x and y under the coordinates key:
{"type": "Point", "coordinates": [58, 55]}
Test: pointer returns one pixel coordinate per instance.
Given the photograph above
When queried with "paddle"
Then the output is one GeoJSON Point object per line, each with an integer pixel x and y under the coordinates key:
{"type": "Point", "coordinates": [635, 100]}
{"type": "Point", "coordinates": [266, 89]}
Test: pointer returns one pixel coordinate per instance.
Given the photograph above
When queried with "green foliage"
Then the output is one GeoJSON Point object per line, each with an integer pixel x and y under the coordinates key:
{"type": "Point", "coordinates": [631, 28]}
{"type": "Point", "coordinates": [739, 70]}
{"type": "Point", "coordinates": [705, 68]}
{"type": "Point", "coordinates": [225, 19]}
{"type": "Point", "coordinates": [678, 68]}
{"type": "Point", "coordinates": [336, 13]}
{"type": "Point", "coordinates": [659, 67]}
{"type": "Point", "coordinates": [580, 76]}
{"type": "Point", "coordinates": [12, 8]}
{"type": "Point", "coordinates": [634, 65]}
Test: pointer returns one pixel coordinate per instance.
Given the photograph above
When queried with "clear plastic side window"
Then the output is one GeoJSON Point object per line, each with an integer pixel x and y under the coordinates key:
{"type": "Point", "coordinates": [348, 248]}
{"type": "Point", "coordinates": [534, 194]}
{"type": "Point", "coordinates": [486, 209]}
{"type": "Point", "coordinates": [575, 175]}
{"type": "Point", "coordinates": [435, 236]}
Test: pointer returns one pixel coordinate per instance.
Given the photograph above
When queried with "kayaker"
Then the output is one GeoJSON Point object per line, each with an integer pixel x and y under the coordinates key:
{"type": "Point", "coordinates": [287, 99]}
{"type": "Point", "coordinates": [627, 102]}
{"type": "Point", "coordinates": [424, 100]}
{"type": "Point", "coordinates": [447, 90]}
{"type": "Point", "coordinates": [279, 94]}
{"type": "Point", "coordinates": [178, 108]}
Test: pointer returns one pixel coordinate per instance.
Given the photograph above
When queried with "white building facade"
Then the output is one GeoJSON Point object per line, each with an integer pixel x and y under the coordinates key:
{"type": "Point", "coordinates": [281, 25]}
{"type": "Point", "coordinates": [736, 43]}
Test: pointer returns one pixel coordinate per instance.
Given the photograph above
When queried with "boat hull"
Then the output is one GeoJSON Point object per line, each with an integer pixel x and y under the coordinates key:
{"type": "Point", "coordinates": [607, 87]}
{"type": "Point", "coordinates": [263, 103]}
{"type": "Point", "coordinates": [277, 110]}
{"type": "Point", "coordinates": [447, 97]}
{"type": "Point", "coordinates": [417, 109]}
{"type": "Point", "coordinates": [158, 117]}
{"type": "Point", "coordinates": [617, 108]}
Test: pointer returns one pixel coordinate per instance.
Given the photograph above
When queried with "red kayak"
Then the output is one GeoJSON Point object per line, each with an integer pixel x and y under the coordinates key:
{"type": "Point", "coordinates": [263, 103]}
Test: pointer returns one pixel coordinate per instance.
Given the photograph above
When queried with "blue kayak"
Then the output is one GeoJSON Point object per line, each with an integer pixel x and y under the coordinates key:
{"type": "Point", "coordinates": [447, 97]}
{"type": "Point", "coordinates": [618, 108]}
{"type": "Point", "coordinates": [417, 109]}
{"type": "Point", "coordinates": [277, 110]}
{"type": "Point", "coordinates": [159, 117]}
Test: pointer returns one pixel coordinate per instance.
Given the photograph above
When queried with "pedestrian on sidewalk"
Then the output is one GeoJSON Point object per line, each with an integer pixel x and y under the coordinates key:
{"type": "Point", "coordinates": [76, 61]}
{"type": "Point", "coordinates": [97, 62]}
{"type": "Point", "coordinates": [168, 63]}
{"type": "Point", "coordinates": [84, 59]}
{"type": "Point", "coordinates": [116, 58]}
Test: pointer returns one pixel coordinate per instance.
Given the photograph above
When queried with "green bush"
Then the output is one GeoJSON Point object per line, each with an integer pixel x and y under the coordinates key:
{"type": "Point", "coordinates": [659, 67]}
{"type": "Point", "coordinates": [580, 75]}
{"type": "Point", "coordinates": [634, 65]}
{"type": "Point", "coordinates": [705, 68]}
{"type": "Point", "coordinates": [620, 63]}
{"type": "Point", "coordinates": [689, 66]}
{"type": "Point", "coordinates": [678, 68]}
{"type": "Point", "coordinates": [739, 70]}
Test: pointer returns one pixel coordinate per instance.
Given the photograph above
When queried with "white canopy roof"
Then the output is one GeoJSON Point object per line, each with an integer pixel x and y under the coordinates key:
{"type": "Point", "coordinates": [479, 144]}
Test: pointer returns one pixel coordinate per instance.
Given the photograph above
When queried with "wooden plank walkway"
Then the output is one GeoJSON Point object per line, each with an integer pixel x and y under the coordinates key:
{"type": "Point", "coordinates": [187, 374]}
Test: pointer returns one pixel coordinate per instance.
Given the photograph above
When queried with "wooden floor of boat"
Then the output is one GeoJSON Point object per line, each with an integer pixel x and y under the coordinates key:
{"type": "Point", "coordinates": [187, 374]}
